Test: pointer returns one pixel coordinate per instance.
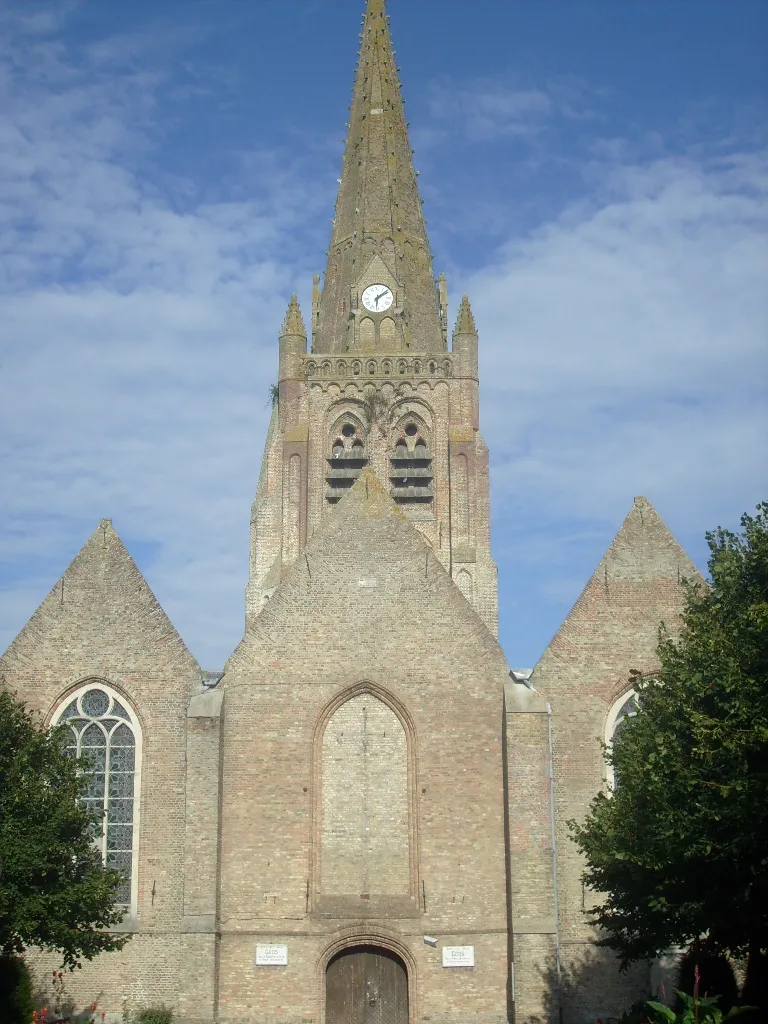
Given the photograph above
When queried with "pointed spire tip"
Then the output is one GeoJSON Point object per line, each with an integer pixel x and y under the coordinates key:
{"type": "Point", "coordinates": [294, 322]}
{"type": "Point", "coordinates": [377, 201]}
{"type": "Point", "coordinates": [465, 322]}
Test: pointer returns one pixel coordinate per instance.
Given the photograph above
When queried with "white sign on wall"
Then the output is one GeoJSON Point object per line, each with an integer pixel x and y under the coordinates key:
{"type": "Point", "coordinates": [271, 956]}
{"type": "Point", "coordinates": [458, 956]}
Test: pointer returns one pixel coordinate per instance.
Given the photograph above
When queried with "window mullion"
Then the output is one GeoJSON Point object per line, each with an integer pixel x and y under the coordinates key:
{"type": "Point", "coordinates": [106, 796]}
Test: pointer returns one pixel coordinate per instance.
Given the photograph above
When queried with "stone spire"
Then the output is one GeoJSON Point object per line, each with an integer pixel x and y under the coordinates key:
{"type": "Point", "coordinates": [378, 210]}
{"type": "Point", "coordinates": [293, 324]}
{"type": "Point", "coordinates": [293, 344]}
{"type": "Point", "coordinates": [465, 322]}
{"type": "Point", "coordinates": [465, 342]}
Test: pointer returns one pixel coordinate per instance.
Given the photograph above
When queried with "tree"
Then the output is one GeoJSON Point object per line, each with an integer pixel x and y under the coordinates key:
{"type": "Point", "coordinates": [679, 852]}
{"type": "Point", "coordinates": [55, 892]}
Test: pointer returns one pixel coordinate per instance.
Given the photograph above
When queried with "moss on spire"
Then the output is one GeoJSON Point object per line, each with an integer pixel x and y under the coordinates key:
{"type": "Point", "coordinates": [294, 323]}
{"type": "Point", "coordinates": [465, 322]}
{"type": "Point", "coordinates": [378, 209]}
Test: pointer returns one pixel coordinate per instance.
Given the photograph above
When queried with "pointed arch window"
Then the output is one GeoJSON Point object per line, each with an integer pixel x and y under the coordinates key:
{"type": "Point", "coordinates": [346, 461]}
{"type": "Point", "coordinates": [365, 805]}
{"type": "Point", "coordinates": [104, 731]}
{"type": "Point", "coordinates": [623, 709]}
{"type": "Point", "coordinates": [411, 473]}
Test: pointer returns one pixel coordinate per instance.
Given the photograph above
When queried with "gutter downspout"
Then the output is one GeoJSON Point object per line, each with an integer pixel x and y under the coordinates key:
{"type": "Point", "coordinates": [558, 960]}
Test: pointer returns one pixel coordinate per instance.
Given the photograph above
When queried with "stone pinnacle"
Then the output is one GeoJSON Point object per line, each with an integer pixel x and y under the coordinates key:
{"type": "Point", "coordinates": [465, 322]}
{"type": "Point", "coordinates": [293, 323]}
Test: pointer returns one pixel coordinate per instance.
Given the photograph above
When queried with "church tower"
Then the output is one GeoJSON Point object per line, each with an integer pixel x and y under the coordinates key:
{"type": "Point", "coordinates": [379, 387]}
{"type": "Point", "coordinates": [364, 817]}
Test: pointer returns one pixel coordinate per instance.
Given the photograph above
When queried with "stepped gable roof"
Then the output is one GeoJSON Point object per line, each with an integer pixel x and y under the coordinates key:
{"type": "Point", "coordinates": [378, 209]}
{"type": "Point", "coordinates": [101, 613]}
{"type": "Point", "coordinates": [369, 588]}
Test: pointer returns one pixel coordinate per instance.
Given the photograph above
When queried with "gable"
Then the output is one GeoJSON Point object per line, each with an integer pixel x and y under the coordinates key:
{"type": "Point", "coordinates": [101, 613]}
{"type": "Point", "coordinates": [377, 272]}
{"type": "Point", "coordinates": [613, 626]}
{"type": "Point", "coordinates": [369, 590]}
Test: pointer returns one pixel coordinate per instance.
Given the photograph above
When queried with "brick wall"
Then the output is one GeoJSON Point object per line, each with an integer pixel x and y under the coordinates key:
{"type": "Point", "coordinates": [370, 609]}
{"type": "Point", "coordinates": [612, 628]}
{"type": "Point", "coordinates": [101, 621]}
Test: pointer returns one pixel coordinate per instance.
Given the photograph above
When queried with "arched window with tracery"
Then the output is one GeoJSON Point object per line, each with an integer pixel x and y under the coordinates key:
{"type": "Point", "coordinates": [623, 709]}
{"type": "Point", "coordinates": [104, 731]}
{"type": "Point", "coordinates": [347, 458]}
{"type": "Point", "coordinates": [410, 472]}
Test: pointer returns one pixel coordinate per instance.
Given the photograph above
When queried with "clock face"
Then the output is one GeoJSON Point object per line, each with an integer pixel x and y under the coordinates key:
{"type": "Point", "coordinates": [377, 298]}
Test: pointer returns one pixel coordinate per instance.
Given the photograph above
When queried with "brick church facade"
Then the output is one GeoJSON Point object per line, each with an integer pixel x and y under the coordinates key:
{"type": "Point", "coordinates": [363, 818]}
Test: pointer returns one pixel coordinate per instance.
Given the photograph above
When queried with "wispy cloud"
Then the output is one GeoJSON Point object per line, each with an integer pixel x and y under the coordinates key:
{"type": "Point", "coordinates": [624, 353]}
{"type": "Point", "coordinates": [622, 336]}
{"type": "Point", "coordinates": [138, 336]}
{"type": "Point", "coordinates": [501, 106]}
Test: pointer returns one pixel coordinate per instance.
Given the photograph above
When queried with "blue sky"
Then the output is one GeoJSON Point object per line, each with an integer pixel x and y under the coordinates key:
{"type": "Point", "coordinates": [594, 174]}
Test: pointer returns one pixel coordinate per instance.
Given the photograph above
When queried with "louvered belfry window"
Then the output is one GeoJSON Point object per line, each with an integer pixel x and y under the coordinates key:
{"type": "Point", "coordinates": [411, 475]}
{"type": "Point", "coordinates": [345, 463]}
{"type": "Point", "coordinates": [102, 730]}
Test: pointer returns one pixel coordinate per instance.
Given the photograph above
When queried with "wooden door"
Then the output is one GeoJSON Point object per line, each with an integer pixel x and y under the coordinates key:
{"type": "Point", "coordinates": [366, 985]}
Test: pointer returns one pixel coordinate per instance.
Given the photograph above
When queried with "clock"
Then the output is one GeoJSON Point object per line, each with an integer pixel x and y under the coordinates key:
{"type": "Point", "coordinates": [377, 298]}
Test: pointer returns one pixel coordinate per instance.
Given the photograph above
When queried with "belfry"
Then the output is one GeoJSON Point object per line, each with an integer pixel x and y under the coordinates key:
{"type": "Point", "coordinates": [362, 818]}
{"type": "Point", "coordinates": [379, 388]}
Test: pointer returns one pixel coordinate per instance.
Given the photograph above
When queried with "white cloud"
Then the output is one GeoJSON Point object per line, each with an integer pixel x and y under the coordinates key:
{"type": "Point", "coordinates": [138, 338]}
{"type": "Point", "coordinates": [624, 353]}
{"type": "Point", "coordinates": [622, 341]}
{"type": "Point", "coordinates": [500, 106]}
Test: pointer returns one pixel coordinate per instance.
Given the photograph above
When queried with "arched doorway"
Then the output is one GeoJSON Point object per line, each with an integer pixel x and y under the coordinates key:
{"type": "Point", "coordinates": [366, 985]}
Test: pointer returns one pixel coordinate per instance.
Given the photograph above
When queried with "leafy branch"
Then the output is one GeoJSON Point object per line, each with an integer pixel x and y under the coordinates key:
{"type": "Point", "coordinates": [375, 408]}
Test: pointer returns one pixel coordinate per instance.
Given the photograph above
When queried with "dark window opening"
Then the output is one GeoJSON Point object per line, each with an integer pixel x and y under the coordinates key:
{"type": "Point", "coordinates": [411, 476]}
{"type": "Point", "coordinates": [345, 462]}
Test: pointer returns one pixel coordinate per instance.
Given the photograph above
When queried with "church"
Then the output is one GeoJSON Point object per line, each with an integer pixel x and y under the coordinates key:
{"type": "Point", "coordinates": [363, 818]}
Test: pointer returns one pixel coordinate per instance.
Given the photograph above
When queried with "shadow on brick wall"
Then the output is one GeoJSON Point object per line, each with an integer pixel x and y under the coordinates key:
{"type": "Point", "coordinates": [590, 988]}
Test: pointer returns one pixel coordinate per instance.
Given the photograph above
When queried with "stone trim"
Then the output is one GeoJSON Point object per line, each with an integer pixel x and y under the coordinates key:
{"type": "Point", "coordinates": [362, 366]}
{"type": "Point", "coordinates": [130, 922]}
{"type": "Point", "coordinates": [624, 685]}
{"type": "Point", "coordinates": [610, 725]}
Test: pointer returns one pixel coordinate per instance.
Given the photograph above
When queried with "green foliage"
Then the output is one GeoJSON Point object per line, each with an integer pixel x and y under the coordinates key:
{"type": "Point", "coordinates": [711, 973]}
{"type": "Point", "coordinates": [274, 394]}
{"type": "Point", "coordinates": [54, 890]}
{"type": "Point", "coordinates": [16, 1003]}
{"type": "Point", "coordinates": [154, 1015]}
{"type": "Point", "coordinates": [695, 1010]}
{"type": "Point", "coordinates": [375, 408]}
{"type": "Point", "coordinates": [636, 1014]}
{"type": "Point", "coordinates": [680, 850]}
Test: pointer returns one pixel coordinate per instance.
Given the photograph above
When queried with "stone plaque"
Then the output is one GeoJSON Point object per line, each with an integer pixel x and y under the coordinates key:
{"type": "Point", "coordinates": [458, 956]}
{"type": "Point", "coordinates": [271, 956]}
